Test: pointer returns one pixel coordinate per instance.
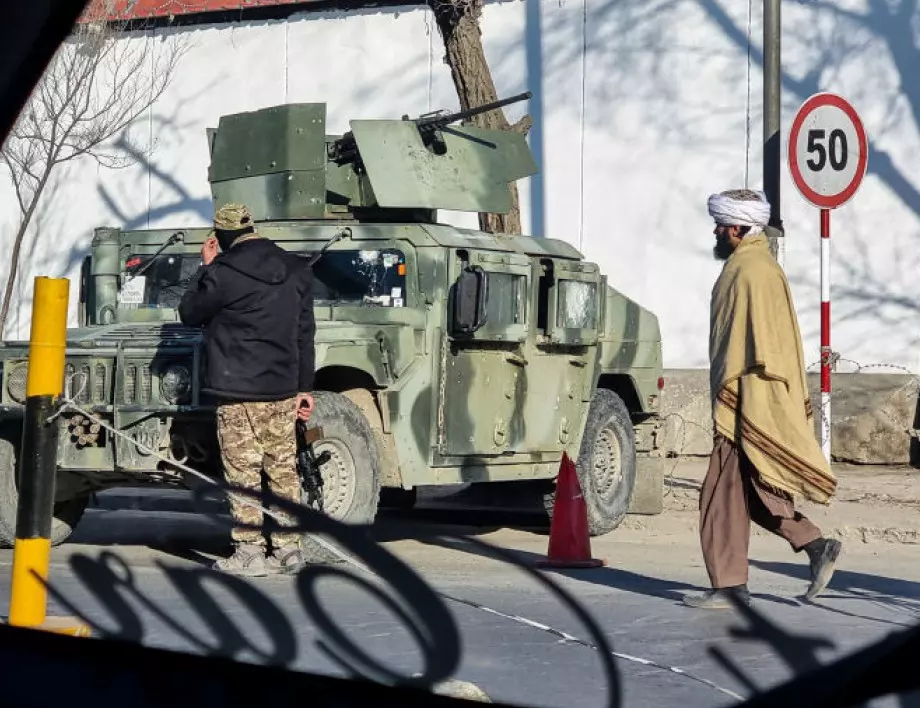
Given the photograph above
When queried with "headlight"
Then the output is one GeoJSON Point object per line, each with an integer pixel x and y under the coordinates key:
{"type": "Point", "coordinates": [176, 383]}
{"type": "Point", "coordinates": [16, 382]}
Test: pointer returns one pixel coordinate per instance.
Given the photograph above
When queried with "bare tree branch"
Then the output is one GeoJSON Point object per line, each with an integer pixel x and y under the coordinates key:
{"type": "Point", "coordinates": [101, 80]}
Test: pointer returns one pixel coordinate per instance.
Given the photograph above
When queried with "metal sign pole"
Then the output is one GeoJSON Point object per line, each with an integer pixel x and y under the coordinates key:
{"type": "Point", "coordinates": [826, 353]}
{"type": "Point", "coordinates": [771, 120]}
{"type": "Point", "coordinates": [828, 154]}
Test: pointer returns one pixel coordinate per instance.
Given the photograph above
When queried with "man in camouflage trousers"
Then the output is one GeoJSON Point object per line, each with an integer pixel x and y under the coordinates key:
{"type": "Point", "coordinates": [254, 301]}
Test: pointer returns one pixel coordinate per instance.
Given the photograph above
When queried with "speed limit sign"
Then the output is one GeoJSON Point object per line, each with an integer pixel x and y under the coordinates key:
{"type": "Point", "coordinates": [828, 152]}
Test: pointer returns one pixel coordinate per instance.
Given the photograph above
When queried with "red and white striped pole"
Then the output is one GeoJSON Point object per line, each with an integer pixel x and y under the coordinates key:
{"type": "Point", "coordinates": [826, 356]}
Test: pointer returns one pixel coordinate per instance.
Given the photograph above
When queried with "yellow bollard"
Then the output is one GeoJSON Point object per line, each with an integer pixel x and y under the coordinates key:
{"type": "Point", "coordinates": [38, 461]}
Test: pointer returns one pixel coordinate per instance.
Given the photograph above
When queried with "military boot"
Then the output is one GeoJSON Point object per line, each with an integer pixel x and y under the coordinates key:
{"type": "Point", "coordinates": [718, 599]}
{"type": "Point", "coordinates": [822, 556]}
{"type": "Point", "coordinates": [248, 560]}
{"type": "Point", "coordinates": [287, 559]}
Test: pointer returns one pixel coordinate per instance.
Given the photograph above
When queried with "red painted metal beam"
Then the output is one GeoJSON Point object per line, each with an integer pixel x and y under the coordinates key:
{"type": "Point", "coordinates": [142, 9]}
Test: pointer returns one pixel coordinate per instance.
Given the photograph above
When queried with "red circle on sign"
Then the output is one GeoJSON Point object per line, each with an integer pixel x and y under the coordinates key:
{"type": "Point", "coordinates": [835, 200]}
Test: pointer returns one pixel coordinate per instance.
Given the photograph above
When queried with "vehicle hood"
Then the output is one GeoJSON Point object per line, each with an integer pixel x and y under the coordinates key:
{"type": "Point", "coordinates": [175, 334]}
{"type": "Point", "coordinates": [105, 336]}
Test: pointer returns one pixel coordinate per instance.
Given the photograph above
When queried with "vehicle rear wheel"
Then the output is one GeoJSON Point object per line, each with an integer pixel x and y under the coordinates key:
{"type": "Point", "coordinates": [66, 514]}
{"type": "Point", "coordinates": [606, 463]}
{"type": "Point", "coordinates": [351, 477]}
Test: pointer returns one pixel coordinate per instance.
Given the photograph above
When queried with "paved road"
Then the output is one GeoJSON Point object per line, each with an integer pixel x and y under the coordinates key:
{"type": "Point", "coordinates": [635, 600]}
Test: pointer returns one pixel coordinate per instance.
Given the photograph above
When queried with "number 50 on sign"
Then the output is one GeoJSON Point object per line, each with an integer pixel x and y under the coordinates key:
{"type": "Point", "coordinates": [828, 152]}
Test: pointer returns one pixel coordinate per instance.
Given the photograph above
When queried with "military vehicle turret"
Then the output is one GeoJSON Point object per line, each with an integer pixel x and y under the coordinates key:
{"type": "Point", "coordinates": [444, 355]}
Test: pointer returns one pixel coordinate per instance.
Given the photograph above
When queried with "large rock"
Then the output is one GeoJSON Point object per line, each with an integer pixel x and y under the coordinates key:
{"type": "Point", "coordinates": [454, 688]}
{"type": "Point", "coordinates": [872, 415]}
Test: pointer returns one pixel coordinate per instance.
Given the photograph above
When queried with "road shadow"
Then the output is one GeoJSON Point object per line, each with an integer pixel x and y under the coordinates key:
{"type": "Point", "coordinates": [128, 607]}
{"type": "Point", "coordinates": [892, 594]}
{"type": "Point", "coordinates": [397, 525]}
{"type": "Point", "coordinates": [849, 581]}
{"type": "Point", "coordinates": [199, 532]}
{"type": "Point", "coordinates": [607, 576]}
{"type": "Point", "coordinates": [423, 610]}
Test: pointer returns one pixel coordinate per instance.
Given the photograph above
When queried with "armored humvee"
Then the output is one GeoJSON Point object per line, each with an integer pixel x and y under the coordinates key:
{"type": "Point", "coordinates": [444, 355]}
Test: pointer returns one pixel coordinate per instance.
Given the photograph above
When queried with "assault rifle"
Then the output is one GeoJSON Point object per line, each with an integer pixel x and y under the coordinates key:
{"type": "Point", "coordinates": [308, 464]}
{"type": "Point", "coordinates": [429, 125]}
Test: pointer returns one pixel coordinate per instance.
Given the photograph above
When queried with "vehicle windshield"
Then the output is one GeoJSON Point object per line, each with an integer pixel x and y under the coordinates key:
{"type": "Point", "coordinates": [372, 278]}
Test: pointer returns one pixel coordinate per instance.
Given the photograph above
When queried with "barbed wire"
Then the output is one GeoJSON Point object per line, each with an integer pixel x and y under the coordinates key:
{"type": "Point", "coordinates": [906, 427]}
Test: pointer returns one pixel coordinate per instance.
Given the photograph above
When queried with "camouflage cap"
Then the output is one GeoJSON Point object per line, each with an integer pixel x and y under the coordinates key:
{"type": "Point", "coordinates": [233, 217]}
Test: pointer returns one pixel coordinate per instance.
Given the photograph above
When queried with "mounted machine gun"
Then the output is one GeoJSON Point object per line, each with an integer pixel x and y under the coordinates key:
{"type": "Point", "coordinates": [430, 125]}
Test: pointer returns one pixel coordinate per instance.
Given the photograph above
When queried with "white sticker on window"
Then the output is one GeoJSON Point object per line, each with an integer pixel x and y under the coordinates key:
{"type": "Point", "coordinates": [397, 302]}
{"type": "Point", "coordinates": [396, 292]}
{"type": "Point", "coordinates": [132, 291]}
{"type": "Point", "coordinates": [390, 260]}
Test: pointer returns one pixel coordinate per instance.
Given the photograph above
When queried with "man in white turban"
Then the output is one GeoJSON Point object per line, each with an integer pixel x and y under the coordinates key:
{"type": "Point", "coordinates": [765, 451]}
{"type": "Point", "coordinates": [737, 214]}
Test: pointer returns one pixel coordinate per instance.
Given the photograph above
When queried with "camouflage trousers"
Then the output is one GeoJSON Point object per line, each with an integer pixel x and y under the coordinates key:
{"type": "Point", "coordinates": [256, 438]}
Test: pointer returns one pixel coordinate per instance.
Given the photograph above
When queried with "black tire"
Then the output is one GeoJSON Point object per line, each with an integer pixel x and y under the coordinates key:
{"type": "Point", "coordinates": [67, 514]}
{"type": "Point", "coordinates": [606, 463]}
{"type": "Point", "coordinates": [351, 478]}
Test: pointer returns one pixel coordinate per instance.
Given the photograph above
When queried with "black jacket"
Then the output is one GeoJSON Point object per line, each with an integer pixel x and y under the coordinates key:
{"type": "Point", "coordinates": [255, 304]}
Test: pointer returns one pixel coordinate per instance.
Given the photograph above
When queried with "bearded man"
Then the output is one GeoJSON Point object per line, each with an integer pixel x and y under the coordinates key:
{"type": "Point", "coordinates": [765, 452]}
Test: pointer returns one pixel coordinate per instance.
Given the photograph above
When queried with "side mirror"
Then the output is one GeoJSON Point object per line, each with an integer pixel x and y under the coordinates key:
{"type": "Point", "coordinates": [211, 133]}
{"type": "Point", "coordinates": [83, 303]}
{"type": "Point", "coordinates": [470, 297]}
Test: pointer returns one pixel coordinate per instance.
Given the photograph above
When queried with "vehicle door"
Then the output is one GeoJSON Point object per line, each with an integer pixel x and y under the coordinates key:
{"type": "Point", "coordinates": [483, 366]}
{"type": "Point", "coordinates": [569, 302]}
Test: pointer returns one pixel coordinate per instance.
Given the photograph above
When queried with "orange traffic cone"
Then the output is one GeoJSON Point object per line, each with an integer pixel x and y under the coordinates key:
{"type": "Point", "coordinates": [569, 540]}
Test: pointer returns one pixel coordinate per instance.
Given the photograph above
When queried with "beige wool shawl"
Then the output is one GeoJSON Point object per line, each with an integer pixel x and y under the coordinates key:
{"type": "Point", "coordinates": [757, 375]}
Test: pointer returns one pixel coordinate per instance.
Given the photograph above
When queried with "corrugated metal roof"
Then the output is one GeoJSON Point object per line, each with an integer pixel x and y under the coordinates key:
{"type": "Point", "coordinates": [139, 9]}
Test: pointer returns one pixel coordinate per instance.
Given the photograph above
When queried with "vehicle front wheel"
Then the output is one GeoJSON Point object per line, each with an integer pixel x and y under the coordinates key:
{"type": "Point", "coordinates": [351, 477]}
{"type": "Point", "coordinates": [606, 463]}
{"type": "Point", "coordinates": [66, 514]}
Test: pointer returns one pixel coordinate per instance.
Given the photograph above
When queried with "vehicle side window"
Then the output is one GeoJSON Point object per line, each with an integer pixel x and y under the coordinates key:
{"type": "Point", "coordinates": [577, 307]}
{"type": "Point", "coordinates": [505, 304]}
{"type": "Point", "coordinates": [491, 297]}
{"type": "Point", "coordinates": [570, 301]}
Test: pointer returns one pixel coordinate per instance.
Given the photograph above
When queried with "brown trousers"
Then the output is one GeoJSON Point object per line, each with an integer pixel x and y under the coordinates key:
{"type": "Point", "coordinates": [732, 497]}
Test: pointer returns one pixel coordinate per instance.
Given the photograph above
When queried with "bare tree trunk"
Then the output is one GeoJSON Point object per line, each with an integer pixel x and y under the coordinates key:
{"type": "Point", "coordinates": [458, 22]}
{"type": "Point", "coordinates": [11, 278]}
{"type": "Point", "coordinates": [14, 263]}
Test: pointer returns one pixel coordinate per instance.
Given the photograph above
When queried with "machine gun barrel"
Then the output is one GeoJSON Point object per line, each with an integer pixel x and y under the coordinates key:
{"type": "Point", "coordinates": [440, 119]}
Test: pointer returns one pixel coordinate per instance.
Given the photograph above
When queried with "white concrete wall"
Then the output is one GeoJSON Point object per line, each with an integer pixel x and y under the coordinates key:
{"type": "Point", "coordinates": [647, 107]}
